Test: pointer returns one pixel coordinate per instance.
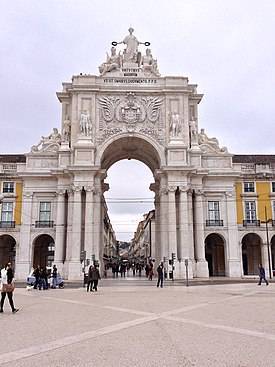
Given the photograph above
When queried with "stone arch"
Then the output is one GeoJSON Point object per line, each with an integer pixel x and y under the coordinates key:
{"type": "Point", "coordinates": [215, 254]}
{"type": "Point", "coordinates": [7, 250]}
{"type": "Point", "coordinates": [251, 253]}
{"type": "Point", "coordinates": [43, 250]}
{"type": "Point", "coordinates": [272, 246]}
{"type": "Point", "coordinates": [131, 146]}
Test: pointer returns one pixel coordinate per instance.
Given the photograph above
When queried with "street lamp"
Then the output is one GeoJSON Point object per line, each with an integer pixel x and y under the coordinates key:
{"type": "Point", "coordinates": [267, 241]}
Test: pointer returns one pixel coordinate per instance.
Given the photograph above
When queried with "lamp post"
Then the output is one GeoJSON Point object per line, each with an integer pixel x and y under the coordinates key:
{"type": "Point", "coordinates": [267, 242]}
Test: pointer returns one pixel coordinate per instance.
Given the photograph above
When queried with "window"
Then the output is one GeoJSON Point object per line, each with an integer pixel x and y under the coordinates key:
{"type": "Point", "coordinates": [45, 211]}
{"type": "Point", "coordinates": [273, 186]}
{"type": "Point", "coordinates": [8, 186]}
{"type": "Point", "coordinates": [213, 211]}
{"type": "Point", "coordinates": [249, 187]}
{"type": "Point", "coordinates": [250, 211]}
{"type": "Point", "coordinates": [273, 207]}
{"type": "Point", "coordinates": [7, 212]}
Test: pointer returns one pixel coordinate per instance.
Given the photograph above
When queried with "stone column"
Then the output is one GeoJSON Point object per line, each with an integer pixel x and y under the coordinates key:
{"type": "Point", "coordinates": [232, 247]}
{"type": "Point", "coordinates": [97, 224]}
{"type": "Point", "coordinates": [60, 231]}
{"type": "Point", "coordinates": [202, 266]}
{"type": "Point", "coordinates": [25, 249]}
{"type": "Point", "coordinates": [191, 233]}
{"type": "Point", "coordinates": [184, 231]}
{"type": "Point", "coordinates": [172, 221]}
{"type": "Point", "coordinates": [89, 222]}
{"type": "Point", "coordinates": [164, 248]}
{"type": "Point", "coordinates": [74, 269]}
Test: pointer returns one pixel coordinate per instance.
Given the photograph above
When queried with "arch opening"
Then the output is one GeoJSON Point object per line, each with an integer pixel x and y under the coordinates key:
{"type": "Point", "coordinates": [7, 250]}
{"type": "Point", "coordinates": [43, 251]}
{"type": "Point", "coordinates": [214, 254]}
{"type": "Point", "coordinates": [251, 253]}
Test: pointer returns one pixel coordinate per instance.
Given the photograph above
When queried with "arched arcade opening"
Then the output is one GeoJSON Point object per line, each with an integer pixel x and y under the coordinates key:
{"type": "Point", "coordinates": [214, 254]}
{"type": "Point", "coordinates": [7, 250]}
{"type": "Point", "coordinates": [251, 253]}
{"type": "Point", "coordinates": [43, 251]}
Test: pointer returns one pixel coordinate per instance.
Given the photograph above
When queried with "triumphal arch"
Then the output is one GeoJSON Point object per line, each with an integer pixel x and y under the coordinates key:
{"type": "Point", "coordinates": [130, 111]}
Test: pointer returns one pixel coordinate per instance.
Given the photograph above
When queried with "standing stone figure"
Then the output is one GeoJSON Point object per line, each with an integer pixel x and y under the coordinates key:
{"type": "Point", "coordinates": [193, 132]}
{"type": "Point", "coordinates": [85, 123]}
{"type": "Point", "coordinates": [175, 125]}
{"type": "Point", "coordinates": [66, 131]}
{"type": "Point", "coordinates": [131, 51]}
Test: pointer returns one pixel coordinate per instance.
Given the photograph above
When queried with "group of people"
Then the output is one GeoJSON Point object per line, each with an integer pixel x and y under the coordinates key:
{"type": "Point", "coordinates": [41, 278]}
{"type": "Point", "coordinates": [93, 278]}
{"type": "Point", "coordinates": [7, 287]}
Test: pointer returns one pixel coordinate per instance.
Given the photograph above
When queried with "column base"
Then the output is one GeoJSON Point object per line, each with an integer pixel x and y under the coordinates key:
{"type": "Point", "coordinates": [74, 270]}
{"type": "Point", "coordinates": [22, 270]}
{"type": "Point", "coordinates": [234, 268]}
{"type": "Point", "coordinates": [180, 270]}
{"type": "Point", "coordinates": [202, 269]}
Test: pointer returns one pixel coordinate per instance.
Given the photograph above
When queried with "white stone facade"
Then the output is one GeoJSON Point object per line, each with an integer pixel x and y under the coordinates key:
{"type": "Point", "coordinates": [130, 111]}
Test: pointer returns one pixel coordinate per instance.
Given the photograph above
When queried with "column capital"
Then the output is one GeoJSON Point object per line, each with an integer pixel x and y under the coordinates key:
{"type": "Point", "coordinates": [199, 192]}
{"type": "Point", "coordinates": [172, 188]}
{"type": "Point", "coordinates": [89, 188]}
{"type": "Point", "coordinates": [28, 195]}
{"type": "Point", "coordinates": [60, 192]}
{"type": "Point", "coordinates": [76, 188]}
{"type": "Point", "coordinates": [184, 188]}
{"type": "Point", "coordinates": [163, 191]}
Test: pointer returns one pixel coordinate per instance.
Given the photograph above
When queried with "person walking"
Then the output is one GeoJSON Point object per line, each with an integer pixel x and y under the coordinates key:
{"type": "Point", "coordinates": [262, 275]}
{"type": "Point", "coordinates": [54, 277]}
{"type": "Point", "coordinates": [36, 274]}
{"type": "Point", "coordinates": [93, 277]}
{"type": "Point", "coordinates": [160, 269]}
{"type": "Point", "coordinates": [43, 279]}
{"type": "Point", "coordinates": [7, 287]}
{"type": "Point", "coordinates": [150, 271]}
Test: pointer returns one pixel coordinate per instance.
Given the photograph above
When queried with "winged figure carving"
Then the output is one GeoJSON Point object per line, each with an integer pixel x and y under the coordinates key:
{"type": "Point", "coordinates": [108, 105]}
{"type": "Point", "coordinates": [153, 108]}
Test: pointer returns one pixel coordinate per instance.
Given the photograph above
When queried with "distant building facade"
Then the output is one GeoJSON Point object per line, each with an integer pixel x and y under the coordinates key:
{"type": "Point", "coordinates": [211, 207]}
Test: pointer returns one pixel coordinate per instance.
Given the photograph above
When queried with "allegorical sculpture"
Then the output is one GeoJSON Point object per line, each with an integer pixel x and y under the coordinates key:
{"type": "Point", "coordinates": [131, 57]}
{"type": "Point", "coordinates": [193, 130]}
{"type": "Point", "coordinates": [85, 124]}
{"type": "Point", "coordinates": [210, 144]}
{"type": "Point", "coordinates": [48, 143]}
{"type": "Point", "coordinates": [66, 131]}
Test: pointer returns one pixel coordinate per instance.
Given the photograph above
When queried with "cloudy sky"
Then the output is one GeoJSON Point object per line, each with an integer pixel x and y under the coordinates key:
{"type": "Point", "coordinates": [226, 47]}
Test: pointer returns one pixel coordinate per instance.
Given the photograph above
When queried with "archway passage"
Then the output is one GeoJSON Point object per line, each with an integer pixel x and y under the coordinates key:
{"type": "Point", "coordinates": [7, 250]}
{"type": "Point", "coordinates": [43, 251]}
{"type": "Point", "coordinates": [251, 253]}
{"type": "Point", "coordinates": [214, 255]}
{"type": "Point", "coordinates": [273, 254]}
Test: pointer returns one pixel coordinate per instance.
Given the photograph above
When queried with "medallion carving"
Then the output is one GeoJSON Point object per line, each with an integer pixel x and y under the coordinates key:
{"type": "Point", "coordinates": [130, 114]}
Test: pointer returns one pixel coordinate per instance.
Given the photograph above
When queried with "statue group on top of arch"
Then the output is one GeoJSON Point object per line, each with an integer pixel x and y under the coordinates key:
{"type": "Point", "coordinates": [130, 56]}
{"type": "Point", "coordinates": [209, 144]}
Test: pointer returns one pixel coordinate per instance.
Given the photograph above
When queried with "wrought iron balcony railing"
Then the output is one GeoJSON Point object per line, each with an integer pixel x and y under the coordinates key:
{"type": "Point", "coordinates": [7, 224]}
{"type": "Point", "coordinates": [214, 222]}
{"type": "Point", "coordinates": [43, 223]}
{"type": "Point", "coordinates": [251, 222]}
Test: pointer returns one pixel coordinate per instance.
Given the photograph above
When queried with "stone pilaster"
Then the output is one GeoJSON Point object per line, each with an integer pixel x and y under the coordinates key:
{"type": "Point", "coordinates": [164, 249]}
{"type": "Point", "coordinates": [233, 249]}
{"type": "Point", "coordinates": [201, 266]}
{"type": "Point", "coordinates": [172, 221]}
{"type": "Point", "coordinates": [60, 231]}
{"type": "Point", "coordinates": [24, 256]}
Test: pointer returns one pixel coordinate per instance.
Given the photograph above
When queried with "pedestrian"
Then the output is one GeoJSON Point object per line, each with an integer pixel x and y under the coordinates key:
{"type": "Point", "coordinates": [160, 269]}
{"type": "Point", "coordinates": [262, 275]}
{"type": "Point", "coordinates": [7, 287]}
{"type": "Point", "coordinates": [150, 270]}
{"type": "Point", "coordinates": [93, 277]}
{"type": "Point", "coordinates": [43, 279]}
{"type": "Point", "coordinates": [36, 274]}
{"type": "Point", "coordinates": [54, 277]}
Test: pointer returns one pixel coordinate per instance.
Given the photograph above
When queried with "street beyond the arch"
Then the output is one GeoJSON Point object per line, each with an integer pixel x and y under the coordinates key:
{"type": "Point", "coordinates": [134, 323]}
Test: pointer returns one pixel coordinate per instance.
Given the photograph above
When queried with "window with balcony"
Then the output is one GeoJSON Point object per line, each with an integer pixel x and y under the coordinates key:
{"type": "Point", "coordinates": [44, 215]}
{"type": "Point", "coordinates": [214, 214]}
{"type": "Point", "coordinates": [7, 215]}
{"type": "Point", "coordinates": [8, 187]}
{"type": "Point", "coordinates": [249, 187]}
{"type": "Point", "coordinates": [250, 214]}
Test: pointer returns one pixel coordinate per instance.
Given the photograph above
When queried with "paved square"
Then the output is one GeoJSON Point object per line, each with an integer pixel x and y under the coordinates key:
{"type": "Point", "coordinates": [141, 325]}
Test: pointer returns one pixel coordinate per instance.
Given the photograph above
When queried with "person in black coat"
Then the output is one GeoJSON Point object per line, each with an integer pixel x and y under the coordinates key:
{"type": "Point", "coordinates": [7, 287]}
{"type": "Point", "coordinates": [93, 277]}
{"type": "Point", "coordinates": [262, 275]}
{"type": "Point", "coordinates": [160, 270]}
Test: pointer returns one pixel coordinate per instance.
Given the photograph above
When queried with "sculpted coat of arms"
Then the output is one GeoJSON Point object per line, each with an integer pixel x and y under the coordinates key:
{"type": "Point", "coordinates": [130, 114]}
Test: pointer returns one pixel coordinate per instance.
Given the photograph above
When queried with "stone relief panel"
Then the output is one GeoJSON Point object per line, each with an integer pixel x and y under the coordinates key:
{"type": "Point", "coordinates": [130, 113]}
